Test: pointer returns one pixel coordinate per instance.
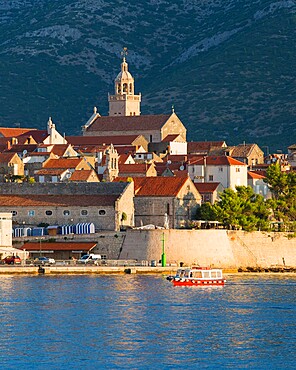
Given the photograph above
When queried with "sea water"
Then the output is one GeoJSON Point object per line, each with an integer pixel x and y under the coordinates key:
{"type": "Point", "coordinates": [144, 322]}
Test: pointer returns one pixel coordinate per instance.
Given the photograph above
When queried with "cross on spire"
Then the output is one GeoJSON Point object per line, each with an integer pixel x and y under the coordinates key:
{"type": "Point", "coordinates": [124, 53]}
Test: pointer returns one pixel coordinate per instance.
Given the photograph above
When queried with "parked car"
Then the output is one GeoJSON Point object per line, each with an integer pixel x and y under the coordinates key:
{"type": "Point", "coordinates": [89, 259]}
{"type": "Point", "coordinates": [44, 261]}
{"type": "Point", "coordinates": [11, 260]}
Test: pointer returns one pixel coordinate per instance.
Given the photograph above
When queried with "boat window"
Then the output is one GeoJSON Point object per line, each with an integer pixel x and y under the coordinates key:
{"type": "Point", "coordinates": [197, 274]}
{"type": "Point", "coordinates": [219, 274]}
{"type": "Point", "coordinates": [206, 274]}
{"type": "Point", "coordinates": [214, 274]}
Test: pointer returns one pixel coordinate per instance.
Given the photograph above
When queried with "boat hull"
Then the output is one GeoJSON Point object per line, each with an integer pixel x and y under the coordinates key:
{"type": "Point", "coordinates": [198, 282]}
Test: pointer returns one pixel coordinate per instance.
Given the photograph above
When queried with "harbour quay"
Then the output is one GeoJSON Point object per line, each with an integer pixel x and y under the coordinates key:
{"type": "Point", "coordinates": [88, 269]}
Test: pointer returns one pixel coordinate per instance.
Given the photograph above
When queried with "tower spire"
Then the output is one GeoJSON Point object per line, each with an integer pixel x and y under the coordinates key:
{"type": "Point", "coordinates": [124, 102]}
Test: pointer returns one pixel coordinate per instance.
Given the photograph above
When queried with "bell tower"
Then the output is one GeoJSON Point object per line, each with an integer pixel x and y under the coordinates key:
{"type": "Point", "coordinates": [124, 102]}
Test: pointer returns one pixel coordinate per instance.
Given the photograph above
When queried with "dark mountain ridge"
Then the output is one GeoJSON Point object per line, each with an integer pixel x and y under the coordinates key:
{"type": "Point", "coordinates": [228, 67]}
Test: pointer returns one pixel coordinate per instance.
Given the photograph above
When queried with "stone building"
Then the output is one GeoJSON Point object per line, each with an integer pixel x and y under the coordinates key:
{"type": "Point", "coordinates": [124, 115]}
{"type": "Point", "coordinates": [165, 200]}
{"type": "Point", "coordinates": [249, 154]}
{"type": "Point", "coordinates": [103, 204]}
{"type": "Point", "coordinates": [10, 165]}
{"type": "Point", "coordinates": [226, 170]}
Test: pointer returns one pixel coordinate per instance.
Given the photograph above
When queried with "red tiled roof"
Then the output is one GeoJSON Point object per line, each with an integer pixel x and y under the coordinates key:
{"type": "Point", "coordinates": [206, 187]}
{"type": "Point", "coordinates": [12, 200]}
{"type": "Point", "coordinates": [38, 135]}
{"type": "Point", "coordinates": [60, 149]}
{"type": "Point", "coordinates": [99, 140]}
{"type": "Point", "coordinates": [242, 150]}
{"type": "Point", "coordinates": [170, 138]}
{"type": "Point", "coordinates": [59, 246]}
{"type": "Point", "coordinates": [204, 146]}
{"type": "Point", "coordinates": [14, 132]}
{"type": "Point", "coordinates": [254, 175]}
{"type": "Point", "coordinates": [134, 168]}
{"type": "Point", "coordinates": [50, 171]}
{"type": "Point", "coordinates": [19, 148]}
{"type": "Point", "coordinates": [63, 163]}
{"type": "Point", "coordinates": [123, 158]}
{"type": "Point", "coordinates": [221, 160]}
{"type": "Point", "coordinates": [6, 157]}
{"type": "Point", "coordinates": [82, 175]}
{"type": "Point", "coordinates": [124, 149]}
{"type": "Point", "coordinates": [124, 123]}
{"type": "Point", "coordinates": [158, 186]}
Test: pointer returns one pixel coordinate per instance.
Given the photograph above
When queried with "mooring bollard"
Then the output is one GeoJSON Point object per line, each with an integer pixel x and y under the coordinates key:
{"type": "Point", "coordinates": [41, 270]}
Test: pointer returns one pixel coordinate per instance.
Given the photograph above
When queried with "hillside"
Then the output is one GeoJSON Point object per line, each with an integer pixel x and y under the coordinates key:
{"type": "Point", "coordinates": [228, 67]}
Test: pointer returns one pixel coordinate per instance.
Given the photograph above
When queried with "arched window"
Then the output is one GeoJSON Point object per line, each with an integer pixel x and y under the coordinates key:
{"type": "Point", "coordinates": [124, 89]}
{"type": "Point", "coordinates": [131, 88]}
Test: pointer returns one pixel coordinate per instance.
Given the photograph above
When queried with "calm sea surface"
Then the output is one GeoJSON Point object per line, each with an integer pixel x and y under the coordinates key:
{"type": "Point", "coordinates": [143, 322]}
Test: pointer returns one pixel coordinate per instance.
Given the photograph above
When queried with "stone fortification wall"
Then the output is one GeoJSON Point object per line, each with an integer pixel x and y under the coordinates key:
{"type": "Point", "coordinates": [221, 248]}
{"type": "Point", "coordinates": [262, 249]}
{"type": "Point", "coordinates": [71, 188]}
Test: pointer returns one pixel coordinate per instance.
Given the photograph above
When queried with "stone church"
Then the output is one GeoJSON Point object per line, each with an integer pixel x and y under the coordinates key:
{"type": "Point", "coordinates": [125, 114]}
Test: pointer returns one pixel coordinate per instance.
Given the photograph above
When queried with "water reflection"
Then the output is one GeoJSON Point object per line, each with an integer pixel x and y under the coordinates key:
{"type": "Point", "coordinates": [143, 322]}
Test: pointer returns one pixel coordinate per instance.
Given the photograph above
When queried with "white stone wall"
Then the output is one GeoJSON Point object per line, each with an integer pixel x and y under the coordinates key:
{"type": "Point", "coordinates": [220, 248]}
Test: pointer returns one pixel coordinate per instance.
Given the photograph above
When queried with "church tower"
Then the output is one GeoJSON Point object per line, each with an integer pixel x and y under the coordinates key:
{"type": "Point", "coordinates": [124, 102]}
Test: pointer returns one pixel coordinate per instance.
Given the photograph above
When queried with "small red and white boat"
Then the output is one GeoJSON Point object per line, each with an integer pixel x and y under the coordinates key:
{"type": "Point", "coordinates": [198, 276]}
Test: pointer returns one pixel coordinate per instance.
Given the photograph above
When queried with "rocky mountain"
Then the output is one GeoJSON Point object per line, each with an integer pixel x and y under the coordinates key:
{"type": "Point", "coordinates": [227, 66]}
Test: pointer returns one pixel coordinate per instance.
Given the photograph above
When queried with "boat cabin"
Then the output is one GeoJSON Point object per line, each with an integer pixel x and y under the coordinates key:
{"type": "Point", "coordinates": [199, 273]}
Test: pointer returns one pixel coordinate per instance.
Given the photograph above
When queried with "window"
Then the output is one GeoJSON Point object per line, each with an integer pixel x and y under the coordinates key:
{"type": "Point", "coordinates": [168, 209]}
{"type": "Point", "coordinates": [14, 213]}
{"type": "Point", "coordinates": [84, 212]}
{"type": "Point", "coordinates": [31, 213]}
{"type": "Point", "coordinates": [48, 213]}
{"type": "Point", "coordinates": [220, 169]}
{"type": "Point", "coordinates": [102, 212]}
{"type": "Point", "coordinates": [211, 178]}
{"type": "Point", "coordinates": [237, 169]}
{"type": "Point", "coordinates": [66, 212]}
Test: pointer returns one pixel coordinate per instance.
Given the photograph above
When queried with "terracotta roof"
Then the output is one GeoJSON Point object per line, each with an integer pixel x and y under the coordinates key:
{"type": "Point", "coordinates": [13, 132]}
{"type": "Point", "coordinates": [6, 157]}
{"type": "Point", "coordinates": [222, 160]}
{"type": "Point", "coordinates": [63, 163]}
{"type": "Point", "coordinates": [242, 150]}
{"type": "Point", "coordinates": [82, 175]}
{"type": "Point", "coordinates": [60, 149]}
{"type": "Point", "coordinates": [57, 200]}
{"type": "Point", "coordinates": [99, 140]}
{"type": "Point", "coordinates": [204, 146]}
{"type": "Point", "coordinates": [254, 175]}
{"type": "Point", "coordinates": [90, 148]}
{"type": "Point", "coordinates": [38, 135]}
{"type": "Point", "coordinates": [19, 148]}
{"type": "Point", "coordinates": [206, 187]}
{"type": "Point", "coordinates": [161, 167]}
{"type": "Point", "coordinates": [50, 171]}
{"type": "Point", "coordinates": [123, 158]}
{"type": "Point", "coordinates": [176, 158]}
{"type": "Point", "coordinates": [39, 154]}
{"type": "Point", "coordinates": [134, 168]}
{"type": "Point", "coordinates": [171, 138]}
{"type": "Point", "coordinates": [59, 246]}
{"type": "Point", "coordinates": [124, 149]}
{"type": "Point", "coordinates": [158, 186]}
{"type": "Point", "coordinates": [125, 123]}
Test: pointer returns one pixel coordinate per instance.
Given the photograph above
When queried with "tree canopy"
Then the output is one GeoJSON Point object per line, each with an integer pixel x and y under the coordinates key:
{"type": "Point", "coordinates": [238, 209]}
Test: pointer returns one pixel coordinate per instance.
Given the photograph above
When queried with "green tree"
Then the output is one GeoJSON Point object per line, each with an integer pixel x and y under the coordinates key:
{"type": "Point", "coordinates": [242, 209]}
{"type": "Point", "coordinates": [283, 189]}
